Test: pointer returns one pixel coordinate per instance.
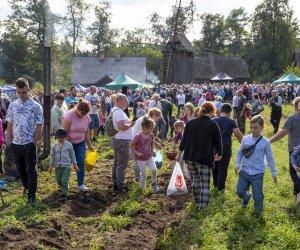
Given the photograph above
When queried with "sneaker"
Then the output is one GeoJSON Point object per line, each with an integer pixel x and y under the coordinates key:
{"type": "Point", "coordinates": [125, 189]}
{"type": "Point", "coordinates": [199, 206]}
{"type": "Point", "coordinates": [31, 201]}
{"type": "Point", "coordinates": [258, 214]}
{"type": "Point", "coordinates": [63, 197]}
{"type": "Point", "coordinates": [82, 188]}
{"type": "Point", "coordinates": [155, 188]}
{"type": "Point", "coordinates": [298, 199]}
{"type": "Point", "coordinates": [115, 187]}
{"type": "Point", "coordinates": [246, 201]}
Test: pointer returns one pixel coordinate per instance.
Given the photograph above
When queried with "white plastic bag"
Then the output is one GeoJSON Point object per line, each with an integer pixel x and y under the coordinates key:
{"type": "Point", "coordinates": [158, 159]}
{"type": "Point", "coordinates": [177, 184]}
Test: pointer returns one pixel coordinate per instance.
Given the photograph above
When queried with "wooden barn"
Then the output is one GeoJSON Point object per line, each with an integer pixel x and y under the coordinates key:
{"type": "Point", "coordinates": [207, 66]}
{"type": "Point", "coordinates": [180, 66]}
{"type": "Point", "coordinates": [296, 58]}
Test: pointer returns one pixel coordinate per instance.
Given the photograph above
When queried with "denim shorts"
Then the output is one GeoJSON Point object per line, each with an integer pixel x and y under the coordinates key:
{"type": "Point", "coordinates": [94, 121]}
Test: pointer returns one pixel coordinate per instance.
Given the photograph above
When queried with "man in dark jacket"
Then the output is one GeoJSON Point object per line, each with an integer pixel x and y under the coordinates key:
{"type": "Point", "coordinates": [166, 111]}
{"type": "Point", "coordinates": [276, 110]}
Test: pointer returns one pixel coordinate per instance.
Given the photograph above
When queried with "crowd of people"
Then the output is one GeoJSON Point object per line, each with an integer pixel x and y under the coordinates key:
{"type": "Point", "coordinates": [207, 116]}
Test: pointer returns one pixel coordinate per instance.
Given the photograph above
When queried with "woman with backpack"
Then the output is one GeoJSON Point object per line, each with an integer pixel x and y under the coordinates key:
{"type": "Point", "coordinates": [120, 142]}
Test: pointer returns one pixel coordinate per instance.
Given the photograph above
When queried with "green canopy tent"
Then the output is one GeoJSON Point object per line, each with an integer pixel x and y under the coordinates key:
{"type": "Point", "coordinates": [123, 80]}
{"type": "Point", "coordinates": [288, 78]}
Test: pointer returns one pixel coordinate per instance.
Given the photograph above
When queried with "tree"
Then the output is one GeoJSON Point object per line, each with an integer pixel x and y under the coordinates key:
{"type": "Point", "coordinates": [29, 20]}
{"type": "Point", "coordinates": [292, 69]}
{"type": "Point", "coordinates": [212, 32]}
{"type": "Point", "coordinates": [235, 33]}
{"type": "Point", "coordinates": [274, 35]}
{"type": "Point", "coordinates": [30, 17]}
{"type": "Point", "coordinates": [159, 31]}
{"type": "Point", "coordinates": [61, 63]}
{"type": "Point", "coordinates": [185, 20]}
{"type": "Point", "coordinates": [19, 54]}
{"type": "Point", "coordinates": [74, 21]}
{"type": "Point", "coordinates": [100, 34]}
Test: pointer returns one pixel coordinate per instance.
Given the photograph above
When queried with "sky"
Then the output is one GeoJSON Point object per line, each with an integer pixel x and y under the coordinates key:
{"type": "Point", "coordinates": [129, 14]}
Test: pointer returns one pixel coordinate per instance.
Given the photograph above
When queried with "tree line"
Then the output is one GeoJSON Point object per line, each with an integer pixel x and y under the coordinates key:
{"type": "Point", "coordinates": [265, 39]}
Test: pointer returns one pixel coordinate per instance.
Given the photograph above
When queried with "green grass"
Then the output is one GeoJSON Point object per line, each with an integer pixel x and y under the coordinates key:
{"type": "Point", "coordinates": [225, 225]}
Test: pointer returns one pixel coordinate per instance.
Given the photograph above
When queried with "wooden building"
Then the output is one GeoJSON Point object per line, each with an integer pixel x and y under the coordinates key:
{"type": "Point", "coordinates": [180, 66]}
{"type": "Point", "coordinates": [177, 64]}
{"type": "Point", "coordinates": [207, 66]}
{"type": "Point", "coordinates": [296, 58]}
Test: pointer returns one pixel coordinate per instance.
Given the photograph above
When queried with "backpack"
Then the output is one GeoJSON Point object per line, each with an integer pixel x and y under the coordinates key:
{"type": "Point", "coordinates": [109, 128]}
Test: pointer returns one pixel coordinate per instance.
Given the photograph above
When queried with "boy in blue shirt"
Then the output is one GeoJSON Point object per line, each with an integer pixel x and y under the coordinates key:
{"type": "Point", "coordinates": [251, 169]}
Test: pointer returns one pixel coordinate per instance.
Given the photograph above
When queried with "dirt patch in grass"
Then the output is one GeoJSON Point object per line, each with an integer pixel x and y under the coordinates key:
{"type": "Point", "coordinates": [49, 235]}
{"type": "Point", "coordinates": [148, 226]}
{"type": "Point", "coordinates": [75, 223]}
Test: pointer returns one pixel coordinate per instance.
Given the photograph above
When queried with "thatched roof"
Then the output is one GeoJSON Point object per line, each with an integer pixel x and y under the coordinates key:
{"type": "Point", "coordinates": [296, 57]}
{"type": "Point", "coordinates": [206, 67]}
{"type": "Point", "coordinates": [89, 69]}
{"type": "Point", "coordinates": [181, 42]}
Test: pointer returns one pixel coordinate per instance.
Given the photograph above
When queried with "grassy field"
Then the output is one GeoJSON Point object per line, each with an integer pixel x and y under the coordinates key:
{"type": "Point", "coordinates": [225, 225]}
{"type": "Point", "coordinates": [143, 220]}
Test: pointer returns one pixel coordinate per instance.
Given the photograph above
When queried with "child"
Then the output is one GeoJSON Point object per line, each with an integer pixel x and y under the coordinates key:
{"type": "Point", "coordinates": [179, 128]}
{"type": "Point", "coordinates": [248, 111]}
{"type": "Point", "coordinates": [143, 147]}
{"type": "Point", "coordinates": [251, 170]}
{"type": "Point", "coordinates": [61, 158]}
{"type": "Point", "coordinates": [101, 122]}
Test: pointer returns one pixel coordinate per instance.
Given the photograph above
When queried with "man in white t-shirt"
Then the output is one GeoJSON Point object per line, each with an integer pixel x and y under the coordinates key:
{"type": "Point", "coordinates": [180, 102]}
{"type": "Point", "coordinates": [24, 130]}
{"type": "Point", "coordinates": [94, 101]}
{"type": "Point", "coordinates": [120, 142]}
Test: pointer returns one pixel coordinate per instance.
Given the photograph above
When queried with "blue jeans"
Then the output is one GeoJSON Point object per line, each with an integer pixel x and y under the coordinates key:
{"type": "Point", "coordinates": [80, 152]}
{"type": "Point", "coordinates": [242, 189]}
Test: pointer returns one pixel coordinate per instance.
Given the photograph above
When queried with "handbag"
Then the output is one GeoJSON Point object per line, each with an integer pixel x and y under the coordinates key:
{"type": "Point", "coordinates": [248, 151]}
